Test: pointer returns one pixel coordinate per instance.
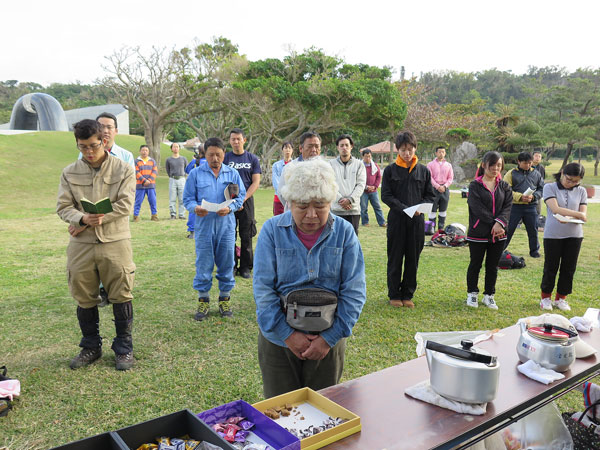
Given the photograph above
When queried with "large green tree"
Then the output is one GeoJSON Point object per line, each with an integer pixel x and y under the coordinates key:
{"type": "Point", "coordinates": [569, 112]}
{"type": "Point", "coordinates": [280, 99]}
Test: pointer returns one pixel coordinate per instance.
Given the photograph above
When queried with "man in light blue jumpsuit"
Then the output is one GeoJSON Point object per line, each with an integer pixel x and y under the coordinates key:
{"type": "Point", "coordinates": [214, 231]}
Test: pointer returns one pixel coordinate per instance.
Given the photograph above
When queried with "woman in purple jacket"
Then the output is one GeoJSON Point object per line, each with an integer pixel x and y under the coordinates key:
{"type": "Point", "coordinates": [490, 199]}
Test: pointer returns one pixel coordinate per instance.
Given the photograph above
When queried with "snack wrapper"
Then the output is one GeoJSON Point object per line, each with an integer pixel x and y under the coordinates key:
{"type": "Point", "coordinates": [191, 444]}
{"type": "Point", "coordinates": [234, 420]}
{"type": "Point", "coordinates": [230, 432]}
{"type": "Point", "coordinates": [241, 436]}
{"type": "Point", "coordinates": [246, 424]}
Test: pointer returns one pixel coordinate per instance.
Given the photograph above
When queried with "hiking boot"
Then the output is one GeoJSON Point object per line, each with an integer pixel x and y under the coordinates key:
{"type": "Point", "coordinates": [225, 307]}
{"type": "Point", "coordinates": [535, 254]}
{"type": "Point", "coordinates": [154, 218]}
{"type": "Point", "coordinates": [190, 235]}
{"type": "Point", "coordinates": [366, 225]}
{"type": "Point", "coordinates": [383, 225]}
{"type": "Point", "coordinates": [396, 303]}
{"type": "Point", "coordinates": [103, 297]}
{"type": "Point", "coordinates": [86, 357]}
{"type": "Point", "coordinates": [172, 216]}
{"type": "Point", "coordinates": [136, 218]}
{"type": "Point", "coordinates": [561, 304]}
{"type": "Point", "coordinates": [488, 300]}
{"type": "Point", "coordinates": [202, 312]}
{"type": "Point", "coordinates": [182, 217]}
{"type": "Point", "coordinates": [546, 304]}
{"type": "Point", "coordinates": [408, 303]}
{"type": "Point", "coordinates": [472, 299]}
{"type": "Point", "coordinates": [125, 361]}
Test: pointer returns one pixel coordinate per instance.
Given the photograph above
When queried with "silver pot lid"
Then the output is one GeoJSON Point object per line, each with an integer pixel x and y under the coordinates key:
{"type": "Point", "coordinates": [463, 355]}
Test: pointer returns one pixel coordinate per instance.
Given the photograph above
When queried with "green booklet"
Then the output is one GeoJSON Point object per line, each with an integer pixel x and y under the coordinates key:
{"type": "Point", "coordinates": [103, 206]}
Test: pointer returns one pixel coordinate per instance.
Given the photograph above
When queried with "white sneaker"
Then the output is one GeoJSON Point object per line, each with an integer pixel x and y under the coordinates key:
{"type": "Point", "coordinates": [472, 299]}
{"type": "Point", "coordinates": [561, 304]}
{"type": "Point", "coordinates": [488, 300]}
{"type": "Point", "coordinates": [546, 304]}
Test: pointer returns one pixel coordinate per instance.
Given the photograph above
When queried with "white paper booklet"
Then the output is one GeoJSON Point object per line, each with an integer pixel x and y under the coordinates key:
{"type": "Point", "coordinates": [529, 191]}
{"type": "Point", "coordinates": [423, 208]}
{"type": "Point", "coordinates": [567, 219]}
{"type": "Point", "coordinates": [214, 207]}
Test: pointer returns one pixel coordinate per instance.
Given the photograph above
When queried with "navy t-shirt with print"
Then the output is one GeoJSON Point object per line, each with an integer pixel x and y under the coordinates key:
{"type": "Point", "coordinates": [246, 164]}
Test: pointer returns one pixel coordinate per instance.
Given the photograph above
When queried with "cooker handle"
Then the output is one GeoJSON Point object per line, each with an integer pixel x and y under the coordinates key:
{"type": "Point", "coordinates": [459, 353]}
{"type": "Point", "coordinates": [565, 330]}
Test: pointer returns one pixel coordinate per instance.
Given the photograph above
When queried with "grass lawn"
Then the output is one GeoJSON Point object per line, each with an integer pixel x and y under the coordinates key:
{"type": "Point", "coordinates": [589, 177]}
{"type": "Point", "coordinates": [182, 363]}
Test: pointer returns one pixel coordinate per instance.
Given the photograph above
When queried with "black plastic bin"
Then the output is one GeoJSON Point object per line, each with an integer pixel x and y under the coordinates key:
{"type": "Point", "coordinates": [173, 425]}
{"type": "Point", "coordinates": [104, 441]}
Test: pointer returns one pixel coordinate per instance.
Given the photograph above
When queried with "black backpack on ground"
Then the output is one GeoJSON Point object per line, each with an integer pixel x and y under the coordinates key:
{"type": "Point", "coordinates": [541, 222]}
{"type": "Point", "coordinates": [510, 261]}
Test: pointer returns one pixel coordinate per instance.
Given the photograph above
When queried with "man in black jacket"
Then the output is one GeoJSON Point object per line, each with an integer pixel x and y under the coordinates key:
{"type": "Point", "coordinates": [525, 179]}
{"type": "Point", "coordinates": [405, 183]}
{"type": "Point", "coordinates": [537, 165]}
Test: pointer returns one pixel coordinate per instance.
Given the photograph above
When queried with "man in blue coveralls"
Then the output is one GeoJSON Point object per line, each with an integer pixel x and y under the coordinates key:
{"type": "Point", "coordinates": [214, 231]}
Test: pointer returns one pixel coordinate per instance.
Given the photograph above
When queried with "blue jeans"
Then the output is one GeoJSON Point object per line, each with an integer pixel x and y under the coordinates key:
{"type": "Point", "coordinates": [364, 208]}
{"type": "Point", "coordinates": [529, 215]}
{"type": "Point", "coordinates": [139, 198]}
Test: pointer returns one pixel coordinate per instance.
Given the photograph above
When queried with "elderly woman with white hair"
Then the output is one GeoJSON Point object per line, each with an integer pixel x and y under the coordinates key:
{"type": "Point", "coordinates": [309, 284]}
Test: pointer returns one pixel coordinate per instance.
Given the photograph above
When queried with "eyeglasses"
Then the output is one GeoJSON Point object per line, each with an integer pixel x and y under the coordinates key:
{"type": "Point", "coordinates": [93, 147]}
{"type": "Point", "coordinates": [571, 180]}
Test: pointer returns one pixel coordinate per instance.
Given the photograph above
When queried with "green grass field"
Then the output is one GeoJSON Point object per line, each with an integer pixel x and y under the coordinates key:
{"type": "Point", "coordinates": [182, 363]}
{"type": "Point", "coordinates": [588, 179]}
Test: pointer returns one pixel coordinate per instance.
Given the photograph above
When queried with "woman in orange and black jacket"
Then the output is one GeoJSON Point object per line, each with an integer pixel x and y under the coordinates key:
{"type": "Point", "coordinates": [490, 200]}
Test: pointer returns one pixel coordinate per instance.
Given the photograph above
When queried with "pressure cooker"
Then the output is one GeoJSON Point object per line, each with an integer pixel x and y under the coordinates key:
{"type": "Point", "coordinates": [550, 346]}
{"type": "Point", "coordinates": [462, 373]}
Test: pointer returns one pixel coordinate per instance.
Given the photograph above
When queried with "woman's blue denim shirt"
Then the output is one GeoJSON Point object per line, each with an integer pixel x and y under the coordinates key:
{"type": "Point", "coordinates": [282, 264]}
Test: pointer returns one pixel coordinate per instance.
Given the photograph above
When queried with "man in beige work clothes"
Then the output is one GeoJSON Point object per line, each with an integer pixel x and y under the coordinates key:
{"type": "Point", "coordinates": [99, 247]}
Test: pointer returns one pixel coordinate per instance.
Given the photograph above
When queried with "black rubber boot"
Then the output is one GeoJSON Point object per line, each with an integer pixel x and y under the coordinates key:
{"type": "Point", "coordinates": [91, 342]}
{"type": "Point", "coordinates": [123, 342]}
{"type": "Point", "coordinates": [89, 322]}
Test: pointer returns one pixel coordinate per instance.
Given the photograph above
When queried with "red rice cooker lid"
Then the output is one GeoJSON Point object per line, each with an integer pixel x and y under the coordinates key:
{"type": "Point", "coordinates": [549, 334]}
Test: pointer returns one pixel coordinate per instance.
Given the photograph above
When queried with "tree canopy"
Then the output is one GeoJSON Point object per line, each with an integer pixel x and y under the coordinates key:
{"type": "Point", "coordinates": [206, 89]}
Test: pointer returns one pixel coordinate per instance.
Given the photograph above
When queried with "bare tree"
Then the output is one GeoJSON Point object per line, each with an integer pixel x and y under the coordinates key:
{"type": "Point", "coordinates": [164, 86]}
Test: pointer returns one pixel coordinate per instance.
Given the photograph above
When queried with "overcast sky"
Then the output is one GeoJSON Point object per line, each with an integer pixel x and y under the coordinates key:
{"type": "Point", "coordinates": [67, 40]}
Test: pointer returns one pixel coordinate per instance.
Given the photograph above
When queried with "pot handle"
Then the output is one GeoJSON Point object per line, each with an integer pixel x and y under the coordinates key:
{"type": "Point", "coordinates": [460, 353]}
{"type": "Point", "coordinates": [565, 330]}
